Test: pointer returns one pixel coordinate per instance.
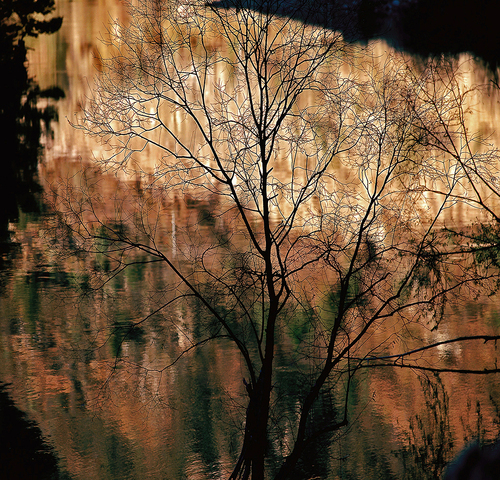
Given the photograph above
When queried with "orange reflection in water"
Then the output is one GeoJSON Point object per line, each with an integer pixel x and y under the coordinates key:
{"type": "Point", "coordinates": [152, 426]}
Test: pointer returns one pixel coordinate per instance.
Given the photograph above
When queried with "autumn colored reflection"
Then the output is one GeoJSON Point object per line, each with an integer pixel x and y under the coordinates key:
{"type": "Point", "coordinates": [117, 397]}
{"type": "Point", "coordinates": [140, 419]}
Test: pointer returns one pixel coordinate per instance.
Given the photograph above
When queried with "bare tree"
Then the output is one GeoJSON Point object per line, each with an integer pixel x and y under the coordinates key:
{"type": "Point", "coordinates": [313, 160]}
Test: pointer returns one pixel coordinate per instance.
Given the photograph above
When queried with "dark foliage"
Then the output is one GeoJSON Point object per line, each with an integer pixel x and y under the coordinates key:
{"type": "Point", "coordinates": [21, 120]}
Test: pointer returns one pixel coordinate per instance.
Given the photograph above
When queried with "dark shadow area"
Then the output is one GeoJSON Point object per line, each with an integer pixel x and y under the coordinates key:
{"type": "Point", "coordinates": [476, 462]}
{"type": "Point", "coordinates": [24, 455]}
{"type": "Point", "coordinates": [22, 119]}
{"type": "Point", "coordinates": [420, 27]}
{"type": "Point", "coordinates": [430, 27]}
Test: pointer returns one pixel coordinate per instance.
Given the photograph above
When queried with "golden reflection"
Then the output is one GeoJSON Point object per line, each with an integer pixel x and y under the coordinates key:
{"type": "Point", "coordinates": [149, 414]}
{"type": "Point", "coordinates": [73, 57]}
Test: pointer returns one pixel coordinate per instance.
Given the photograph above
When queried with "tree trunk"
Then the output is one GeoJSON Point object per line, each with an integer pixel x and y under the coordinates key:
{"type": "Point", "coordinates": [251, 463]}
{"type": "Point", "coordinates": [253, 452]}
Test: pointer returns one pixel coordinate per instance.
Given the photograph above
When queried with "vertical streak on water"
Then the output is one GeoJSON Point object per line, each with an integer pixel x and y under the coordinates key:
{"type": "Point", "coordinates": [174, 235]}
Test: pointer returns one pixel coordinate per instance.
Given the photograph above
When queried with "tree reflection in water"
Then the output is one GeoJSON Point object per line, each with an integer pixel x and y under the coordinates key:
{"type": "Point", "coordinates": [429, 442]}
{"type": "Point", "coordinates": [316, 164]}
{"type": "Point", "coordinates": [199, 383]}
{"type": "Point", "coordinates": [23, 453]}
{"type": "Point", "coordinates": [22, 119]}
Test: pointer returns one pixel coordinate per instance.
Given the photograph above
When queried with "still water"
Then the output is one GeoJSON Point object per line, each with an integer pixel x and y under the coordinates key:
{"type": "Point", "coordinates": [140, 420]}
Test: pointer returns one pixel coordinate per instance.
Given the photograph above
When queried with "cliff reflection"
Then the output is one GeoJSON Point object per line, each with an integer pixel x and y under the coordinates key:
{"type": "Point", "coordinates": [184, 421]}
{"type": "Point", "coordinates": [136, 419]}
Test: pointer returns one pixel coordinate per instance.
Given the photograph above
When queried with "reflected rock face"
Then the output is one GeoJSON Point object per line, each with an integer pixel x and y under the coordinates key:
{"type": "Point", "coordinates": [476, 462]}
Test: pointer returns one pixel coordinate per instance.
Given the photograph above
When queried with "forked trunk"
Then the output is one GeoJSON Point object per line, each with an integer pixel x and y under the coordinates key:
{"type": "Point", "coordinates": [251, 463]}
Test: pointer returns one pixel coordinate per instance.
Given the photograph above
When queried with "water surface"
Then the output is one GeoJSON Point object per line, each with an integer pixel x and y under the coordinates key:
{"type": "Point", "coordinates": [136, 419]}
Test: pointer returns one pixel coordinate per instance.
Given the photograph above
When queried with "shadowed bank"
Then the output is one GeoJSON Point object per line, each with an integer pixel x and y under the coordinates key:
{"type": "Point", "coordinates": [421, 27]}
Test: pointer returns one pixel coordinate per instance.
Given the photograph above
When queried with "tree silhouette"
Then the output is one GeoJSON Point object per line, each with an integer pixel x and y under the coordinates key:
{"type": "Point", "coordinates": [327, 183]}
{"type": "Point", "coordinates": [21, 118]}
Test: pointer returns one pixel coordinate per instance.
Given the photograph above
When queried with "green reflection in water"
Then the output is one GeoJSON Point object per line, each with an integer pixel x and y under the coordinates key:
{"type": "Point", "coordinates": [203, 392]}
{"type": "Point", "coordinates": [203, 431]}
